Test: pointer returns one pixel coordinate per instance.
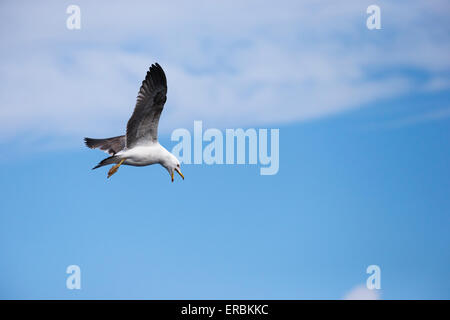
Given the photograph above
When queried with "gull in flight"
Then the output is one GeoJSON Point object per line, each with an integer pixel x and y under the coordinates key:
{"type": "Point", "coordinates": [139, 146]}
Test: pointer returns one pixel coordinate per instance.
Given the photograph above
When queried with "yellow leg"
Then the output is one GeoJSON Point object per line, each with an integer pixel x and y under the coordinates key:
{"type": "Point", "coordinates": [115, 168]}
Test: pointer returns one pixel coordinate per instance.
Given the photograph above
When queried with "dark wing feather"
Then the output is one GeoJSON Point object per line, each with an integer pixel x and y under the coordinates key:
{"type": "Point", "coordinates": [142, 128]}
{"type": "Point", "coordinates": [109, 145]}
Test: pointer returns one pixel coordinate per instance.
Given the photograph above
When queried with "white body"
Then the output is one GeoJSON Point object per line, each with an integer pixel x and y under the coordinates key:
{"type": "Point", "coordinates": [144, 155]}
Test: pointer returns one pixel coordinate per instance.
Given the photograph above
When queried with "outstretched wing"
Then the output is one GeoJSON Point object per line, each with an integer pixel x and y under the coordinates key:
{"type": "Point", "coordinates": [142, 128]}
{"type": "Point", "coordinates": [109, 145]}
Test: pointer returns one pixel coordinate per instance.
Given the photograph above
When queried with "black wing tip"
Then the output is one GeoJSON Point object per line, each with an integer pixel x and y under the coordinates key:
{"type": "Point", "coordinates": [155, 65]}
{"type": "Point", "coordinates": [88, 142]}
{"type": "Point", "coordinates": [156, 75]}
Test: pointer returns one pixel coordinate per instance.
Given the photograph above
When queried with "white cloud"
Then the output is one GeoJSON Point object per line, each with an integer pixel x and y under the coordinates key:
{"type": "Point", "coordinates": [228, 64]}
{"type": "Point", "coordinates": [361, 292]}
{"type": "Point", "coordinates": [437, 83]}
{"type": "Point", "coordinates": [433, 115]}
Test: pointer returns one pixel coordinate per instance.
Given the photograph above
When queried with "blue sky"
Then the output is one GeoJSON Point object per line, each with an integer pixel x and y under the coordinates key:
{"type": "Point", "coordinates": [364, 119]}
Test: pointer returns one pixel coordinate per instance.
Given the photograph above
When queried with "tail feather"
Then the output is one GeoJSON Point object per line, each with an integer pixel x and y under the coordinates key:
{"type": "Point", "coordinates": [105, 162]}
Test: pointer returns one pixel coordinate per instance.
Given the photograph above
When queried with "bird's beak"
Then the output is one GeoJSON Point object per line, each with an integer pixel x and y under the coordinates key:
{"type": "Point", "coordinates": [179, 172]}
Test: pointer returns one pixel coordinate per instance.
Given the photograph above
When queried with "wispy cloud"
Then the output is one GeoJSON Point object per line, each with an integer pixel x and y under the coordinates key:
{"type": "Point", "coordinates": [410, 120]}
{"type": "Point", "coordinates": [361, 292]}
{"type": "Point", "coordinates": [227, 64]}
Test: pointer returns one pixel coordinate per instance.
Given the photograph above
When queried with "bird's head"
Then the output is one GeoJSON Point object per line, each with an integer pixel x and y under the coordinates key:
{"type": "Point", "coordinates": [172, 164]}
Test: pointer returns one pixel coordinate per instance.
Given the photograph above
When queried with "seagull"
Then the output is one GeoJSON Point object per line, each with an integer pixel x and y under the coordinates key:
{"type": "Point", "coordinates": [140, 146]}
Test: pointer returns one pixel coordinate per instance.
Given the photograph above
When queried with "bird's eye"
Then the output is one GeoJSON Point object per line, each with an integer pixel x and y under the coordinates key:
{"type": "Point", "coordinates": [178, 165]}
